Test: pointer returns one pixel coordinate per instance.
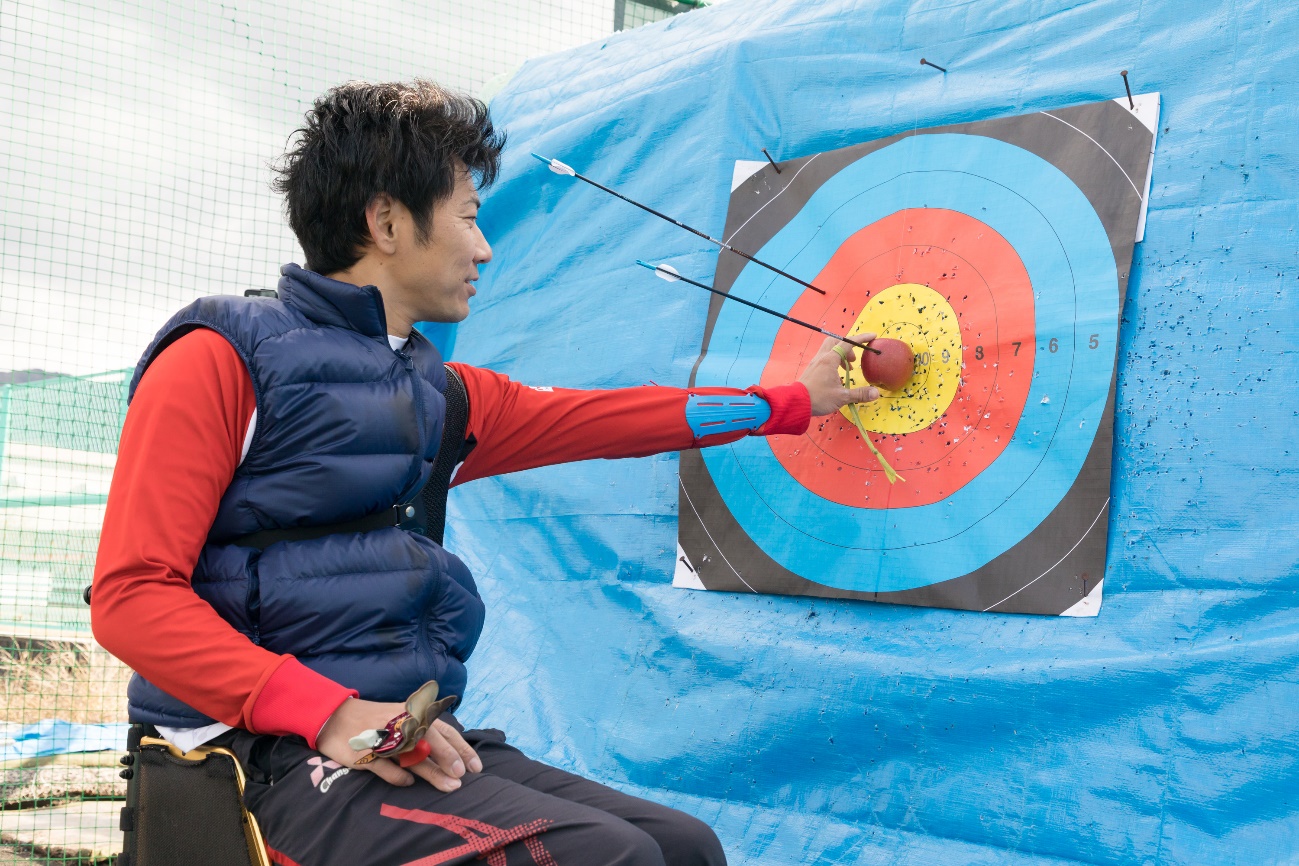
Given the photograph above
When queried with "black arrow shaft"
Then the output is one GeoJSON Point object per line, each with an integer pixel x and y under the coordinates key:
{"type": "Point", "coordinates": [772, 312]}
{"type": "Point", "coordinates": [698, 233]}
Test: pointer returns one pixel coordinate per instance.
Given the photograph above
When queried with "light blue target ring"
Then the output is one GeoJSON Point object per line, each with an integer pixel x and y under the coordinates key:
{"type": "Point", "coordinates": [1048, 221]}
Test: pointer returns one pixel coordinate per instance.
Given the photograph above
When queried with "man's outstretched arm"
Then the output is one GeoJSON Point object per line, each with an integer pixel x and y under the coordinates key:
{"type": "Point", "coordinates": [517, 426]}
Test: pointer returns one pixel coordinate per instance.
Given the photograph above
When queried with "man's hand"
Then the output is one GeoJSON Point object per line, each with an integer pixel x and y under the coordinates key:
{"type": "Point", "coordinates": [448, 757]}
{"type": "Point", "coordinates": [824, 383]}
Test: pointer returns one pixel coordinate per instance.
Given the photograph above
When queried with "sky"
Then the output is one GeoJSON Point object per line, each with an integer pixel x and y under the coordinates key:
{"type": "Point", "coordinates": [136, 142]}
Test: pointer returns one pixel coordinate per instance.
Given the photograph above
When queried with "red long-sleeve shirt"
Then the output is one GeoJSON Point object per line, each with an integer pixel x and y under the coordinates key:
{"type": "Point", "coordinates": [182, 441]}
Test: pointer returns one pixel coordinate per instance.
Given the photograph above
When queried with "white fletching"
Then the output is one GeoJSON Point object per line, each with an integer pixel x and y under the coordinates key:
{"type": "Point", "coordinates": [561, 168]}
{"type": "Point", "coordinates": [366, 740]}
{"type": "Point", "coordinates": [667, 272]}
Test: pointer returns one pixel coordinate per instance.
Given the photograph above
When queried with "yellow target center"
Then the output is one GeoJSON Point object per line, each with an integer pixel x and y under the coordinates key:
{"type": "Point", "coordinates": [924, 320]}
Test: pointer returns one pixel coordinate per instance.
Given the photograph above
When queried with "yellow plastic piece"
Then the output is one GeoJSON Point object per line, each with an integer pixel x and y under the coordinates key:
{"type": "Point", "coordinates": [855, 418]}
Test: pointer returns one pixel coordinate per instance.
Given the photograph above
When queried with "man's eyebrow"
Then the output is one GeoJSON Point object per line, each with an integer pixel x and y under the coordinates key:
{"type": "Point", "coordinates": [474, 200]}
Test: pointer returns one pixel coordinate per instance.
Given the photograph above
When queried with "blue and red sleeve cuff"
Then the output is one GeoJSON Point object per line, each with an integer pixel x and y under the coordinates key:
{"type": "Point", "coordinates": [762, 411]}
{"type": "Point", "coordinates": [297, 700]}
{"type": "Point", "coordinates": [791, 409]}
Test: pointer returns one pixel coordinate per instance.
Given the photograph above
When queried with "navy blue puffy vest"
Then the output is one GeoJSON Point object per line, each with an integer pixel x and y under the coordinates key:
{"type": "Point", "coordinates": [346, 427]}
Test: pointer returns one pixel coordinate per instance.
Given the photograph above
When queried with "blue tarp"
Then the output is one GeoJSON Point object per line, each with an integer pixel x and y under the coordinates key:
{"type": "Point", "coordinates": [48, 737]}
{"type": "Point", "coordinates": [807, 731]}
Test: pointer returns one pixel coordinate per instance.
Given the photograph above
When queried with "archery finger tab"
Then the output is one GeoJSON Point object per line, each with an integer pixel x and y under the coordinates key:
{"type": "Point", "coordinates": [418, 753]}
{"type": "Point", "coordinates": [422, 701]}
{"type": "Point", "coordinates": [366, 740]}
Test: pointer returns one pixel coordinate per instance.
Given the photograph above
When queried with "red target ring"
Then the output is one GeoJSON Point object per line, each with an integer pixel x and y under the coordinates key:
{"type": "Point", "coordinates": [986, 284]}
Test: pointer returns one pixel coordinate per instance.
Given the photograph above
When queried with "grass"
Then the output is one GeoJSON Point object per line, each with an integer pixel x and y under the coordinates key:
{"type": "Point", "coordinates": [73, 681]}
{"type": "Point", "coordinates": [26, 854]}
{"type": "Point", "coordinates": [76, 682]}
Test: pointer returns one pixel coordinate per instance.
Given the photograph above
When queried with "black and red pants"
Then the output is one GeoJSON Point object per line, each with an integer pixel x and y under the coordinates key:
{"type": "Point", "coordinates": [516, 812]}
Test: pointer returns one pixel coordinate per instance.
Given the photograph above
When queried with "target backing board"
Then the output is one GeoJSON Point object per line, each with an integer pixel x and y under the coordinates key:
{"type": "Point", "coordinates": [999, 251]}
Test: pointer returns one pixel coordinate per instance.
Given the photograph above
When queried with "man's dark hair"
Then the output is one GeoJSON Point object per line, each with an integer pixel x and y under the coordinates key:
{"type": "Point", "coordinates": [360, 140]}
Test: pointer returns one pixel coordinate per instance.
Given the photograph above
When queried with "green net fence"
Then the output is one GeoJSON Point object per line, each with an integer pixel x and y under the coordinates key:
{"type": "Point", "coordinates": [135, 142]}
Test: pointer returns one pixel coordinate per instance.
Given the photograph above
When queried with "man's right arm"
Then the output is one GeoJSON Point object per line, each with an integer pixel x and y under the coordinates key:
{"type": "Point", "coordinates": [513, 427]}
{"type": "Point", "coordinates": [182, 440]}
{"type": "Point", "coordinates": [516, 427]}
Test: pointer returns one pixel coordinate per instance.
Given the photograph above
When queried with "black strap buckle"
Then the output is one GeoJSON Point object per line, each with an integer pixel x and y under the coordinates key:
{"type": "Point", "coordinates": [403, 516]}
{"type": "Point", "coordinates": [426, 514]}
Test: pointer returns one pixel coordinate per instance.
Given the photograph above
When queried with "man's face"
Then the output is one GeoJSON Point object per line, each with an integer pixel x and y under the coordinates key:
{"type": "Point", "coordinates": [437, 277]}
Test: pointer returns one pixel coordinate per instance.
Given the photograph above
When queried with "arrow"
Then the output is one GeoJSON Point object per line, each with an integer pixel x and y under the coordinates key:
{"type": "Point", "coordinates": [671, 274]}
{"type": "Point", "coordinates": [567, 170]}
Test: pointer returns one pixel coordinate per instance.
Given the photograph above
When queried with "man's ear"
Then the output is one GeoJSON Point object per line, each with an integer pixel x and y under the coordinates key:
{"type": "Point", "coordinates": [380, 216]}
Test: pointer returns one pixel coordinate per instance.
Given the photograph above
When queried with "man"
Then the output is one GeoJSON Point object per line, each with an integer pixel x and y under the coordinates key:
{"type": "Point", "coordinates": [235, 574]}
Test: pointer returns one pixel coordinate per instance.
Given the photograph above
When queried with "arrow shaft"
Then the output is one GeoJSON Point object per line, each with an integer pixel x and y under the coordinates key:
{"type": "Point", "coordinates": [772, 312]}
{"type": "Point", "coordinates": [698, 233]}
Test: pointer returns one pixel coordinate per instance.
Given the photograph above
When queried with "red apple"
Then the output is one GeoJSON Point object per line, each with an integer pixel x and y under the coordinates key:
{"type": "Point", "coordinates": [892, 367]}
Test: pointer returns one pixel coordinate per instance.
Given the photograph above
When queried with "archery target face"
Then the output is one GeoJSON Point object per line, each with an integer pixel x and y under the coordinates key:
{"type": "Point", "coordinates": [994, 266]}
{"type": "Point", "coordinates": [957, 413]}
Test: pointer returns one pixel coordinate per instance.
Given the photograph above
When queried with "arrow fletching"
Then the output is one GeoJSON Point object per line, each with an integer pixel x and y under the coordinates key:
{"type": "Point", "coordinates": [556, 166]}
{"type": "Point", "coordinates": [663, 272]}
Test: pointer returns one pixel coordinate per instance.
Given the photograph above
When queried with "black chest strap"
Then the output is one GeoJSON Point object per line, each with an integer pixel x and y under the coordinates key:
{"type": "Point", "coordinates": [427, 513]}
{"type": "Point", "coordinates": [432, 500]}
